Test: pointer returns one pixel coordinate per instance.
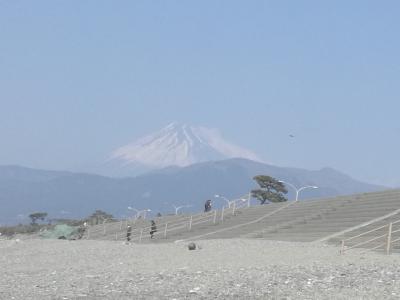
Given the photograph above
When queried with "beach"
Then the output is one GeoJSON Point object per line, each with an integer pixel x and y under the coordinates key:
{"type": "Point", "coordinates": [217, 269]}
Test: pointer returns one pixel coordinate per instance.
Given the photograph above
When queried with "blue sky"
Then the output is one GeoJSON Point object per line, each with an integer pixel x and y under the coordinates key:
{"type": "Point", "coordinates": [80, 78]}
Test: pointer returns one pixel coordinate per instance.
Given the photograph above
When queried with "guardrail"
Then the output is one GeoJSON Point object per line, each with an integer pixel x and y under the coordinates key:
{"type": "Point", "coordinates": [163, 229]}
{"type": "Point", "coordinates": [234, 205]}
{"type": "Point", "coordinates": [104, 227]}
{"type": "Point", "coordinates": [118, 230]}
{"type": "Point", "coordinates": [370, 222]}
{"type": "Point", "coordinates": [385, 241]}
{"type": "Point", "coordinates": [242, 224]}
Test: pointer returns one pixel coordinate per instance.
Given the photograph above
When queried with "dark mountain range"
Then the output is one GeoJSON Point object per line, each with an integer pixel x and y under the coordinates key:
{"type": "Point", "coordinates": [66, 194]}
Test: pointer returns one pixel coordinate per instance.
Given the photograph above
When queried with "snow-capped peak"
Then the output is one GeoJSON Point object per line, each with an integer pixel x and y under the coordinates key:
{"type": "Point", "coordinates": [180, 145]}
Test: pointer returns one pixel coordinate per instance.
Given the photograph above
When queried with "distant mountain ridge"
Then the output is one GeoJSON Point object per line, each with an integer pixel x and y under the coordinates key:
{"type": "Point", "coordinates": [24, 190]}
{"type": "Point", "coordinates": [13, 172]}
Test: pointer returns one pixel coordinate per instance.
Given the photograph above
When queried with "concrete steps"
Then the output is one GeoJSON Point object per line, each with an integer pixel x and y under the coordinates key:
{"type": "Point", "coordinates": [297, 212]}
{"type": "Point", "coordinates": [355, 210]}
{"type": "Point", "coordinates": [304, 221]}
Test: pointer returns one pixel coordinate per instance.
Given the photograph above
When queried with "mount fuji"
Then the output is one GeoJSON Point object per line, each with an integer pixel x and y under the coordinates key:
{"type": "Point", "coordinates": [177, 145]}
{"type": "Point", "coordinates": [187, 165]}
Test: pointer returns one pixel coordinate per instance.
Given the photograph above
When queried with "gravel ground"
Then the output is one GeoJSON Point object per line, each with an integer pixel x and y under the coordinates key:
{"type": "Point", "coordinates": [221, 269]}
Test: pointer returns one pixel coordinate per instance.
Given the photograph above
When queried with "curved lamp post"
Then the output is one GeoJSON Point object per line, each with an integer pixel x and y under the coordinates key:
{"type": "Point", "coordinates": [144, 212]}
{"type": "Point", "coordinates": [224, 198]}
{"type": "Point", "coordinates": [137, 211]}
{"type": "Point", "coordinates": [177, 208]}
{"type": "Point", "coordinates": [298, 190]}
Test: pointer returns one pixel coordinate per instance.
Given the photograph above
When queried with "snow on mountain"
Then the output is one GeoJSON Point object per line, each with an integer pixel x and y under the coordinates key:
{"type": "Point", "coordinates": [180, 145]}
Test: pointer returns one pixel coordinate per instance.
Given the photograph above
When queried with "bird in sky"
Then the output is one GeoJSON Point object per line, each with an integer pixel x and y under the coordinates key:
{"type": "Point", "coordinates": [291, 135]}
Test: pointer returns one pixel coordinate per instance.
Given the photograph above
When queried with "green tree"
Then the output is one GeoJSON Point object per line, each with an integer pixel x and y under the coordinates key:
{"type": "Point", "coordinates": [37, 216]}
{"type": "Point", "coordinates": [99, 216]}
{"type": "Point", "coordinates": [271, 189]}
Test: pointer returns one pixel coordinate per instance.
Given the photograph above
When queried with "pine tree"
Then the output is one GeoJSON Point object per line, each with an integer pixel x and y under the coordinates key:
{"type": "Point", "coordinates": [271, 189]}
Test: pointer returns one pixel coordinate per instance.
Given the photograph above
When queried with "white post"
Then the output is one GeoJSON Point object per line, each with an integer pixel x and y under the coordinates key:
{"type": "Point", "coordinates": [234, 206]}
{"type": "Point", "coordinates": [248, 203]}
{"type": "Point", "coordinates": [342, 248]}
{"type": "Point", "coordinates": [120, 225]}
{"type": "Point", "coordinates": [165, 230]}
{"type": "Point", "coordinates": [389, 239]}
{"type": "Point", "coordinates": [104, 228]}
{"type": "Point", "coordinates": [116, 236]}
{"type": "Point", "coordinates": [222, 214]}
{"type": "Point", "coordinates": [141, 234]}
{"type": "Point", "coordinates": [190, 222]}
{"type": "Point", "coordinates": [215, 217]}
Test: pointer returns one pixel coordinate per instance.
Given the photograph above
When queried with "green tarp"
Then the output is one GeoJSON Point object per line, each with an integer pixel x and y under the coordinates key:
{"type": "Point", "coordinates": [60, 231]}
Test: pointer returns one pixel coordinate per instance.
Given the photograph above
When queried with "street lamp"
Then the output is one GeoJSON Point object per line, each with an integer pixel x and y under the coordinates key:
{"type": "Point", "coordinates": [144, 211]}
{"type": "Point", "coordinates": [137, 211]}
{"type": "Point", "coordinates": [179, 207]}
{"type": "Point", "coordinates": [298, 190]}
{"type": "Point", "coordinates": [224, 198]}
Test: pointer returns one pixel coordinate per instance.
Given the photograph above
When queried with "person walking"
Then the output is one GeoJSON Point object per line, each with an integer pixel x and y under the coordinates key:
{"type": "Point", "coordinates": [207, 206]}
{"type": "Point", "coordinates": [153, 228]}
{"type": "Point", "coordinates": [128, 233]}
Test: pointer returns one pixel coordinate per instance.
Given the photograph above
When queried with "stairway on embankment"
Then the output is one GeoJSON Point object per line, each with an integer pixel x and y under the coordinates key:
{"type": "Point", "coordinates": [304, 221]}
{"type": "Point", "coordinates": [356, 210]}
{"type": "Point", "coordinates": [179, 225]}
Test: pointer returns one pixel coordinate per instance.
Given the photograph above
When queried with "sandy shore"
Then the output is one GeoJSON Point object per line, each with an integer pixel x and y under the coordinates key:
{"type": "Point", "coordinates": [221, 269]}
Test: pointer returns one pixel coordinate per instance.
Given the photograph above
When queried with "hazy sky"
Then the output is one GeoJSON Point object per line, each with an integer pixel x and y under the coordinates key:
{"type": "Point", "coordinates": [81, 78]}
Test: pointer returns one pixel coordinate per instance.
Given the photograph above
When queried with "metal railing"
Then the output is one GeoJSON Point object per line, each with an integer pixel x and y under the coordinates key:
{"type": "Point", "coordinates": [385, 241]}
{"type": "Point", "coordinates": [118, 230]}
{"type": "Point", "coordinates": [359, 226]}
{"type": "Point", "coordinates": [242, 224]}
{"type": "Point", "coordinates": [234, 205]}
{"type": "Point", "coordinates": [164, 229]}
